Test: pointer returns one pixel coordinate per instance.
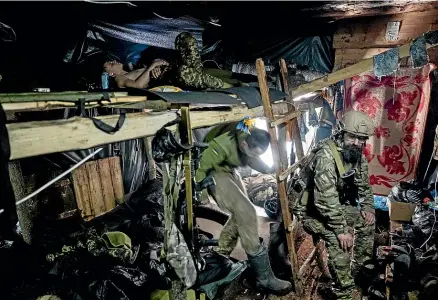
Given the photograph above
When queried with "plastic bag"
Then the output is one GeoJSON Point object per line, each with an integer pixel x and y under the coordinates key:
{"type": "Point", "coordinates": [408, 192]}
{"type": "Point", "coordinates": [425, 218]}
{"type": "Point", "coordinates": [217, 267]}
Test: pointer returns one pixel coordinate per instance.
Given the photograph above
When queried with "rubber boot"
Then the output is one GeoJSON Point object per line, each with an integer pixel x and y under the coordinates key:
{"type": "Point", "coordinates": [278, 251]}
{"type": "Point", "coordinates": [265, 278]}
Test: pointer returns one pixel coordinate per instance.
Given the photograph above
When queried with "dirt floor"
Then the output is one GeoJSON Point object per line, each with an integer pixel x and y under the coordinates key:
{"type": "Point", "coordinates": [316, 286]}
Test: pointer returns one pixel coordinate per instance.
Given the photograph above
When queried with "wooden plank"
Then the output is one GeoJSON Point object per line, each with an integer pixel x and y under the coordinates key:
{"type": "Point", "coordinates": [58, 96]}
{"type": "Point", "coordinates": [285, 119]}
{"type": "Point", "coordinates": [82, 192]}
{"type": "Point", "coordinates": [288, 171]}
{"type": "Point", "coordinates": [152, 174]}
{"type": "Point", "coordinates": [294, 128]}
{"type": "Point", "coordinates": [188, 139]}
{"type": "Point", "coordinates": [107, 184]}
{"type": "Point", "coordinates": [115, 102]}
{"type": "Point", "coordinates": [97, 200]}
{"type": "Point", "coordinates": [116, 178]}
{"type": "Point", "coordinates": [264, 91]}
{"type": "Point", "coordinates": [348, 72]}
{"type": "Point", "coordinates": [347, 57]}
{"type": "Point", "coordinates": [370, 32]}
{"type": "Point", "coordinates": [354, 9]}
{"type": "Point", "coordinates": [42, 137]}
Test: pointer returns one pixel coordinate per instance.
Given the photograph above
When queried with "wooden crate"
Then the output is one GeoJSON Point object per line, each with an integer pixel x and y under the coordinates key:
{"type": "Point", "coordinates": [98, 186]}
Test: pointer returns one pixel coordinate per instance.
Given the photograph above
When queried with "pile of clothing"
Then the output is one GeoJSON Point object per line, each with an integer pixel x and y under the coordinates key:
{"type": "Point", "coordinates": [115, 256]}
{"type": "Point", "coordinates": [414, 252]}
{"type": "Point", "coordinates": [262, 191]}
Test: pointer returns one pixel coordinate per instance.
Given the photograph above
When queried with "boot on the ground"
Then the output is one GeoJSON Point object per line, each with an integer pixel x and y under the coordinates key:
{"type": "Point", "coordinates": [278, 251]}
{"type": "Point", "coordinates": [265, 278]}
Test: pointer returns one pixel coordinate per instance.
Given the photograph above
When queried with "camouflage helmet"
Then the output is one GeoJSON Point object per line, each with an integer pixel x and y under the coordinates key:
{"type": "Point", "coordinates": [357, 123]}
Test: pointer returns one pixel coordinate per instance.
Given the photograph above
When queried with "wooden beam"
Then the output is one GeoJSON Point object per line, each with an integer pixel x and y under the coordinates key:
{"type": "Point", "coordinates": [296, 136]}
{"type": "Point", "coordinates": [352, 9]}
{"type": "Point", "coordinates": [114, 102]}
{"type": "Point", "coordinates": [43, 137]}
{"type": "Point", "coordinates": [62, 96]}
{"type": "Point", "coordinates": [285, 118]}
{"type": "Point", "coordinates": [348, 72]}
{"type": "Point", "coordinates": [279, 154]}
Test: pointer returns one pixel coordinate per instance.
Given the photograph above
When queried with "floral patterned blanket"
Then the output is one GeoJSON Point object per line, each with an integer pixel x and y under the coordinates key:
{"type": "Point", "coordinates": [398, 105]}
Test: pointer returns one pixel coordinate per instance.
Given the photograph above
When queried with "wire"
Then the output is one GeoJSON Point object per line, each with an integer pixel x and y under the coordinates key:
{"type": "Point", "coordinates": [55, 179]}
{"type": "Point", "coordinates": [434, 215]}
{"type": "Point", "coordinates": [111, 2]}
{"type": "Point", "coordinates": [212, 61]}
{"type": "Point", "coordinates": [13, 32]}
{"type": "Point", "coordinates": [164, 18]}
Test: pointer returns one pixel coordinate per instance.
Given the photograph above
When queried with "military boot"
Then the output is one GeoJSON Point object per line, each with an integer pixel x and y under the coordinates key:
{"type": "Point", "coordinates": [278, 251]}
{"type": "Point", "coordinates": [265, 278]}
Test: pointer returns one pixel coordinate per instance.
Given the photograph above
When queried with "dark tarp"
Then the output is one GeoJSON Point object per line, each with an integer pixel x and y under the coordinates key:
{"type": "Point", "coordinates": [313, 52]}
{"type": "Point", "coordinates": [126, 42]}
{"type": "Point", "coordinates": [249, 95]}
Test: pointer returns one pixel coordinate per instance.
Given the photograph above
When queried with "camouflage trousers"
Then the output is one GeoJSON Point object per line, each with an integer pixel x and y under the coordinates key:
{"type": "Point", "coordinates": [231, 196]}
{"type": "Point", "coordinates": [190, 73]}
{"type": "Point", "coordinates": [345, 266]}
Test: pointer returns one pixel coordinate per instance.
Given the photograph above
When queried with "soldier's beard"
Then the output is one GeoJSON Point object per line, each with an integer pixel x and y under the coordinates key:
{"type": "Point", "coordinates": [351, 153]}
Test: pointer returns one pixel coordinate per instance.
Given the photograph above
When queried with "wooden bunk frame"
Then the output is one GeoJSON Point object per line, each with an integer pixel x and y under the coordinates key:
{"type": "Point", "coordinates": [29, 139]}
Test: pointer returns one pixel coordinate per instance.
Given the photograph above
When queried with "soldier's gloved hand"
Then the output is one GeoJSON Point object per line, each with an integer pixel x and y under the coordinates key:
{"type": "Point", "coordinates": [369, 217]}
{"type": "Point", "coordinates": [345, 241]}
{"type": "Point", "coordinates": [204, 198]}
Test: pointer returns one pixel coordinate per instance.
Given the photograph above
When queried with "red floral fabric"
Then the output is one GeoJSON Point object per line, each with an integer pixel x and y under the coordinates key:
{"type": "Point", "coordinates": [398, 105]}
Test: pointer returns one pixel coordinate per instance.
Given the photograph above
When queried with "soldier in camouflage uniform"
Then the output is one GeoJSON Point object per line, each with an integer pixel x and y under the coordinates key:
{"type": "Point", "coordinates": [228, 149]}
{"type": "Point", "coordinates": [185, 72]}
{"type": "Point", "coordinates": [190, 72]}
{"type": "Point", "coordinates": [341, 210]}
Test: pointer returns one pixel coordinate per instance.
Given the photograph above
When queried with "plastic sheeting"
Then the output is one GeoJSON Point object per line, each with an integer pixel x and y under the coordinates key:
{"type": "Point", "coordinates": [132, 152]}
{"type": "Point", "coordinates": [313, 52]}
{"type": "Point", "coordinates": [127, 42]}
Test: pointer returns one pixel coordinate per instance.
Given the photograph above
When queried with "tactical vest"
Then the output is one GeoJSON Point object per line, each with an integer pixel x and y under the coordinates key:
{"type": "Point", "coordinates": [301, 186]}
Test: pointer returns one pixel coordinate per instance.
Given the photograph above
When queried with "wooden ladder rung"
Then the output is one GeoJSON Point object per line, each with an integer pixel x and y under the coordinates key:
{"type": "Point", "coordinates": [289, 171]}
{"type": "Point", "coordinates": [284, 119]}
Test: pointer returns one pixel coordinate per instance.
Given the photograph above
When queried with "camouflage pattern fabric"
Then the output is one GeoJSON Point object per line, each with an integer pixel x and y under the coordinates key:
{"type": "Point", "coordinates": [344, 266]}
{"type": "Point", "coordinates": [231, 196]}
{"type": "Point", "coordinates": [97, 246]}
{"type": "Point", "coordinates": [179, 257]}
{"type": "Point", "coordinates": [190, 73]}
{"type": "Point", "coordinates": [326, 213]}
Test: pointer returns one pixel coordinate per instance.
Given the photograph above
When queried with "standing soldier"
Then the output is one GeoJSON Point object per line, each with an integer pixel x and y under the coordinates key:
{"type": "Point", "coordinates": [335, 200]}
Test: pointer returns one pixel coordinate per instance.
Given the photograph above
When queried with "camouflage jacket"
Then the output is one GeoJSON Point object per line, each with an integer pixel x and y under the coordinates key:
{"type": "Point", "coordinates": [328, 188]}
{"type": "Point", "coordinates": [223, 154]}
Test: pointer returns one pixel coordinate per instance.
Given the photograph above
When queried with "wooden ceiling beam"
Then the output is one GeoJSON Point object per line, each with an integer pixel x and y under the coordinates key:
{"type": "Point", "coordinates": [352, 9]}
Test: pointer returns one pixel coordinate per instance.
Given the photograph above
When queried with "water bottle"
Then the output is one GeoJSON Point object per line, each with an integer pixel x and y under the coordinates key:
{"type": "Point", "coordinates": [105, 81]}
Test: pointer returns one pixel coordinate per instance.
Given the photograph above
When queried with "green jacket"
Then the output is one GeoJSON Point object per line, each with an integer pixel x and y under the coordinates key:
{"type": "Point", "coordinates": [328, 186]}
{"type": "Point", "coordinates": [224, 155]}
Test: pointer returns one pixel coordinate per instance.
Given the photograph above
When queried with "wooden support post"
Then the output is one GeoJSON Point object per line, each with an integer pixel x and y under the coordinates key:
{"type": "Point", "coordinates": [294, 123]}
{"type": "Point", "coordinates": [151, 162]}
{"type": "Point", "coordinates": [188, 139]}
{"type": "Point", "coordinates": [278, 153]}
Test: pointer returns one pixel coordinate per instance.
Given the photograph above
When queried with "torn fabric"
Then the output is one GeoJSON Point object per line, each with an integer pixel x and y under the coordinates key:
{"type": "Point", "coordinates": [386, 63]}
{"type": "Point", "coordinates": [419, 53]}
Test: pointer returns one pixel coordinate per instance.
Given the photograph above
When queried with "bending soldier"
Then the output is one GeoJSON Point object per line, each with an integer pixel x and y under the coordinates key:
{"type": "Point", "coordinates": [228, 149]}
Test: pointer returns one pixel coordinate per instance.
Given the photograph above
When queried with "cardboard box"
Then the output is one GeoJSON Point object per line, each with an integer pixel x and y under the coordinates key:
{"type": "Point", "coordinates": [399, 211]}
